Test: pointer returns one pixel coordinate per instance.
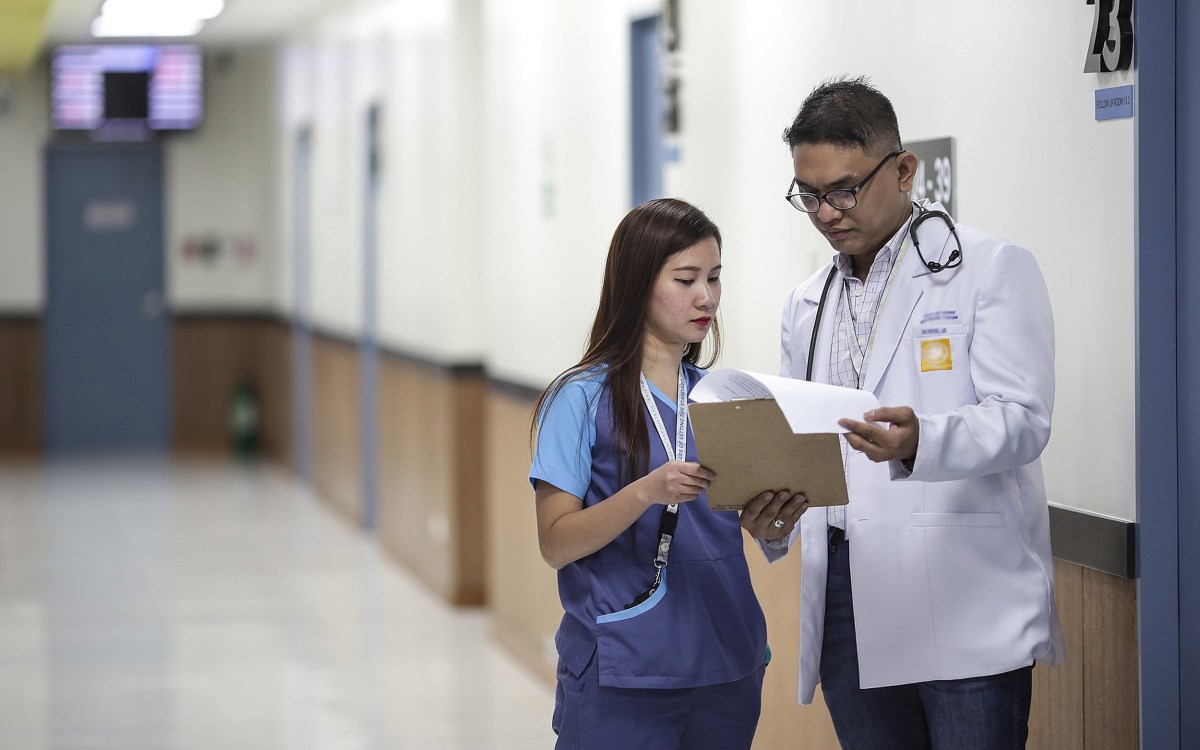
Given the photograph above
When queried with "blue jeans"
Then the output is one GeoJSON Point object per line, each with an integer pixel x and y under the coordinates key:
{"type": "Point", "coordinates": [980, 713]}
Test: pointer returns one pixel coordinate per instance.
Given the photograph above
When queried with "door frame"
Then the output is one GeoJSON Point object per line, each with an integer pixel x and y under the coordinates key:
{"type": "Point", "coordinates": [1168, 371]}
{"type": "Point", "coordinates": [647, 151]}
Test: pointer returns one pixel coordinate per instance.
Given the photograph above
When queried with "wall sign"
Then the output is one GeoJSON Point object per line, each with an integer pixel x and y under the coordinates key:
{"type": "Point", "coordinates": [935, 178]}
{"type": "Point", "coordinates": [1111, 44]}
{"type": "Point", "coordinates": [1114, 103]}
{"type": "Point", "coordinates": [104, 216]}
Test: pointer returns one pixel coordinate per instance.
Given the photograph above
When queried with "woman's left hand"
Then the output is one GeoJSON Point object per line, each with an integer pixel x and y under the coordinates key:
{"type": "Point", "coordinates": [773, 515]}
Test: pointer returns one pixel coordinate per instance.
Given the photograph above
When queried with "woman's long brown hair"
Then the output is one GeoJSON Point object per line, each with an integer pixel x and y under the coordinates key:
{"type": "Point", "coordinates": [644, 240]}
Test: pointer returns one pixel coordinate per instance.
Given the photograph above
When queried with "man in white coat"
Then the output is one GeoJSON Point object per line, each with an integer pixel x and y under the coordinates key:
{"type": "Point", "coordinates": [926, 601]}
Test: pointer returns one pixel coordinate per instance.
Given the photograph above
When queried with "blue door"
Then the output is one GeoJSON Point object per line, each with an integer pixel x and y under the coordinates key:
{"type": "Point", "coordinates": [646, 111]}
{"type": "Point", "coordinates": [107, 381]}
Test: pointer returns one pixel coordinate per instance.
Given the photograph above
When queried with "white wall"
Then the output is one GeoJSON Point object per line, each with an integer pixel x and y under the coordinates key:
{"type": "Point", "coordinates": [1004, 79]}
{"type": "Point", "coordinates": [220, 182]}
{"type": "Point", "coordinates": [506, 148]}
{"type": "Point", "coordinates": [556, 173]}
{"type": "Point", "coordinates": [23, 130]}
{"type": "Point", "coordinates": [417, 61]}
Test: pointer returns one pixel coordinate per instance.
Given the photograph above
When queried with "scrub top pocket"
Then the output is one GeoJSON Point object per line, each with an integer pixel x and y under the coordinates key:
{"type": "Point", "coordinates": [703, 627]}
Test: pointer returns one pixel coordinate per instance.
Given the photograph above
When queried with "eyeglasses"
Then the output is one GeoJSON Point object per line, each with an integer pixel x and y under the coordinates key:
{"type": "Point", "coordinates": [843, 199]}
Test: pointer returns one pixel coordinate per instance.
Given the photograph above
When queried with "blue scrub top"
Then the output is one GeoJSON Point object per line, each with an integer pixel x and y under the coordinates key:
{"type": "Point", "coordinates": [704, 625]}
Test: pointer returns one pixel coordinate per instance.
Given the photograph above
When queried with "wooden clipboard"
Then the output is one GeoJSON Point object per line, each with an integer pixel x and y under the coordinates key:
{"type": "Point", "coordinates": [752, 449]}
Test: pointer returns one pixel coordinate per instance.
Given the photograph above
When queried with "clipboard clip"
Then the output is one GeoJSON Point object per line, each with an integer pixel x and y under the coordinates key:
{"type": "Point", "coordinates": [748, 398]}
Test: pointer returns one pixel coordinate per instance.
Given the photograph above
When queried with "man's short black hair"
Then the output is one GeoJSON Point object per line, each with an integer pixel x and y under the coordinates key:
{"type": "Point", "coordinates": [846, 112]}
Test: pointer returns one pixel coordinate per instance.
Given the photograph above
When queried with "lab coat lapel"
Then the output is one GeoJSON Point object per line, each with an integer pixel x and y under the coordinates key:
{"type": "Point", "coordinates": [893, 317]}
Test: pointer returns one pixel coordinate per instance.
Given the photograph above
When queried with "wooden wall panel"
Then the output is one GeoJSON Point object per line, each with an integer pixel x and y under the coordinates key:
{"type": "Point", "coordinates": [274, 371]}
{"type": "Point", "coordinates": [210, 356]}
{"type": "Point", "coordinates": [470, 510]}
{"type": "Point", "coordinates": [1056, 712]}
{"type": "Point", "coordinates": [784, 722]}
{"type": "Point", "coordinates": [523, 588]}
{"type": "Point", "coordinates": [336, 427]}
{"type": "Point", "coordinates": [1110, 662]}
{"type": "Point", "coordinates": [20, 386]}
{"type": "Point", "coordinates": [431, 509]}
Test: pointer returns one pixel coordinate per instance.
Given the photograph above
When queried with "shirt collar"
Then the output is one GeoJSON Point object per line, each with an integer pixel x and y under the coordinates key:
{"type": "Point", "coordinates": [886, 256]}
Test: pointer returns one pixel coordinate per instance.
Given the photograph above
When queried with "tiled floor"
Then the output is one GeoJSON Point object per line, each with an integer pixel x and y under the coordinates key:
{"type": "Point", "coordinates": [159, 604]}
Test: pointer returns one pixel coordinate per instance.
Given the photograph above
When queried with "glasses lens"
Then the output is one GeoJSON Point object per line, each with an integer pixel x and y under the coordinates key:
{"type": "Point", "coordinates": [842, 200]}
{"type": "Point", "coordinates": [806, 202]}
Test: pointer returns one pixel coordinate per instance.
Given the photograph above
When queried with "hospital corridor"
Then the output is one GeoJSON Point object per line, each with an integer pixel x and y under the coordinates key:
{"type": "Point", "coordinates": [284, 283]}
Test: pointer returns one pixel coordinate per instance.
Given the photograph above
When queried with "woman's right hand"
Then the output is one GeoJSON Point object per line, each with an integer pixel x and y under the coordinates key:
{"type": "Point", "coordinates": [675, 482]}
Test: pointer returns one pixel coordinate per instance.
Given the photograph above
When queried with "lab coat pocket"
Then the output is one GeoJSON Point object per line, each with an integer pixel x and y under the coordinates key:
{"type": "Point", "coordinates": [942, 370]}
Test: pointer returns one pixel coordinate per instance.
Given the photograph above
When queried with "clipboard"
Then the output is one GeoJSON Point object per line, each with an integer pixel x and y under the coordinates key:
{"type": "Point", "coordinates": [752, 449]}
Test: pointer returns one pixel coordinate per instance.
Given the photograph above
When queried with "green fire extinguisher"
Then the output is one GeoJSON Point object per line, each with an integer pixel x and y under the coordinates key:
{"type": "Point", "coordinates": [244, 420]}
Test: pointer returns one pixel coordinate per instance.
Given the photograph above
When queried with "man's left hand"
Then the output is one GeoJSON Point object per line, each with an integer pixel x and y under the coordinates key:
{"type": "Point", "coordinates": [896, 442]}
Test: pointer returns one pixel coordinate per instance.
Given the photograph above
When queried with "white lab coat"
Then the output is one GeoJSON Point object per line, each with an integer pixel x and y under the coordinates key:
{"type": "Point", "coordinates": [953, 576]}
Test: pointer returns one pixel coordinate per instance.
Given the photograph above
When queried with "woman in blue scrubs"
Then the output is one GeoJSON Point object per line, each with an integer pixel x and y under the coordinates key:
{"type": "Point", "coordinates": [662, 642]}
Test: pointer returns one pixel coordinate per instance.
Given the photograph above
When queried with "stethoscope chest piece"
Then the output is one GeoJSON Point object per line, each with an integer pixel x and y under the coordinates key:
{"type": "Point", "coordinates": [956, 255]}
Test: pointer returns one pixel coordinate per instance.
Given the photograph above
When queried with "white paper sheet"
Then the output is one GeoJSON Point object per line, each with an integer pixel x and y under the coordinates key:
{"type": "Point", "coordinates": [808, 407]}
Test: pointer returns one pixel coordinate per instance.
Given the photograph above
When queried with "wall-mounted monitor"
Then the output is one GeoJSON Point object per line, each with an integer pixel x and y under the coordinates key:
{"type": "Point", "coordinates": [127, 91]}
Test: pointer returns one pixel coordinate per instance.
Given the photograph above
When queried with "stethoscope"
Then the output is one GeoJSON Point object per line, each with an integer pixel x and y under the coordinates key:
{"type": "Point", "coordinates": [923, 215]}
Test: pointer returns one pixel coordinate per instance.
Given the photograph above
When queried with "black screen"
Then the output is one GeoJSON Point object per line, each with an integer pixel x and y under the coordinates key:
{"type": "Point", "coordinates": [126, 95]}
{"type": "Point", "coordinates": [162, 87]}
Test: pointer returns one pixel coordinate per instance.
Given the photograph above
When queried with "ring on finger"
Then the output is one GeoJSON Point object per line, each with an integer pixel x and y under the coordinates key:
{"type": "Point", "coordinates": [778, 523]}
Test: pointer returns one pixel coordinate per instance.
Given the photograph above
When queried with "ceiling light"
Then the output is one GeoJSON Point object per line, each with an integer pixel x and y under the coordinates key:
{"type": "Point", "coordinates": [199, 9]}
{"type": "Point", "coordinates": [154, 18]}
{"type": "Point", "coordinates": [145, 26]}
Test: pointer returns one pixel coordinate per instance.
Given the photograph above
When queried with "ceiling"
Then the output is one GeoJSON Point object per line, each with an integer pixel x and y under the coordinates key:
{"type": "Point", "coordinates": [28, 26]}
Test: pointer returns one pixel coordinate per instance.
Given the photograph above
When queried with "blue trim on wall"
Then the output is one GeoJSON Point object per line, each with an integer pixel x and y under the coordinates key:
{"type": "Point", "coordinates": [1156, 384]}
{"type": "Point", "coordinates": [301, 331]}
{"type": "Point", "coordinates": [368, 345]}
{"type": "Point", "coordinates": [1187, 259]}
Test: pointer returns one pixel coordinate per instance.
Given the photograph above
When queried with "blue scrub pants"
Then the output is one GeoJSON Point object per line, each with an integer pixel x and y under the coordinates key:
{"type": "Point", "coordinates": [981, 713]}
{"type": "Point", "coordinates": [590, 717]}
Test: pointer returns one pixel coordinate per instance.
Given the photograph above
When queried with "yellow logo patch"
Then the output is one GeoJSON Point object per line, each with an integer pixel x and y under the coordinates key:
{"type": "Point", "coordinates": [935, 355]}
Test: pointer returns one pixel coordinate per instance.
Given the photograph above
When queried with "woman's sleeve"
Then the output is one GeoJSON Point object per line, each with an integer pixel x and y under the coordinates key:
{"type": "Point", "coordinates": [566, 434]}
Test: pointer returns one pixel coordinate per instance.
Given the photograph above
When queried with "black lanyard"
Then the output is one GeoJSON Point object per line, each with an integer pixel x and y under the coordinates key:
{"type": "Point", "coordinates": [670, 514]}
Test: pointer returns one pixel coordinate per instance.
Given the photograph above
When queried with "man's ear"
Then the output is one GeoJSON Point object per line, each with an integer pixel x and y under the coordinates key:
{"type": "Point", "coordinates": [907, 163]}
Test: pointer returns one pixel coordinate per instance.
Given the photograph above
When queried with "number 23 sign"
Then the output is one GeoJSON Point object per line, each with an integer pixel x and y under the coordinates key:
{"type": "Point", "coordinates": [1111, 45]}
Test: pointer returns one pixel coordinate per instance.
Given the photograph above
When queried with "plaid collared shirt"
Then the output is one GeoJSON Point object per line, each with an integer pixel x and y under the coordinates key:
{"type": "Point", "coordinates": [854, 325]}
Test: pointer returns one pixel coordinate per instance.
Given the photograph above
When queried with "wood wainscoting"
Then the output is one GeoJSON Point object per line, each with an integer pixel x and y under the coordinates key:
{"type": "Point", "coordinates": [431, 509]}
{"type": "Point", "coordinates": [20, 385]}
{"type": "Point", "coordinates": [524, 589]}
{"type": "Point", "coordinates": [1088, 703]}
{"type": "Point", "coordinates": [210, 355]}
{"type": "Point", "coordinates": [337, 471]}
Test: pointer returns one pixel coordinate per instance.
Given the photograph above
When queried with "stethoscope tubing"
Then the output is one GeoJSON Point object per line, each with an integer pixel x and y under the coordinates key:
{"type": "Point", "coordinates": [954, 261]}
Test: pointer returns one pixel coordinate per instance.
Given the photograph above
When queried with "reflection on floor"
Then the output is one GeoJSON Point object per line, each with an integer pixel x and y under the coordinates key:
{"type": "Point", "coordinates": [152, 603]}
